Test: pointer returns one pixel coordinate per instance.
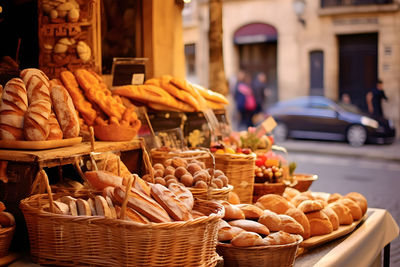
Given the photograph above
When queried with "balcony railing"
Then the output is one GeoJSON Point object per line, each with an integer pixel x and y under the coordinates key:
{"type": "Point", "coordinates": [339, 3]}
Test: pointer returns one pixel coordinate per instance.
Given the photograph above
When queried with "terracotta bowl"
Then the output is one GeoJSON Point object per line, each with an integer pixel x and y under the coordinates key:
{"type": "Point", "coordinates": [114, 132]}
{"type": "Point", "coordinates": [303, 181]}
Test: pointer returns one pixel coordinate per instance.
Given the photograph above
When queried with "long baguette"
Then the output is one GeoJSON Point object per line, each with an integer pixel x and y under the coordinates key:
{"type": "Point", "coordinates": [101, 179]}
{"type": "Point", "coordinates": [143, 204]}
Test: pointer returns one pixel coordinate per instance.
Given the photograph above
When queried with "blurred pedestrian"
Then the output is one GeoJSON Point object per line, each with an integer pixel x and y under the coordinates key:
{"type": "Point", "coordinates": [259, 86]}
{"type": "Point", "coordinates": [245, 101]}
{"type": "Point", "coordinates": [374, 99]}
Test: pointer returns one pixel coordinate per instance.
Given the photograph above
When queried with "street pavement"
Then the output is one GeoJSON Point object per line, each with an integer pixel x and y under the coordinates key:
{"type": "Point", "coordinates": [390, 152]}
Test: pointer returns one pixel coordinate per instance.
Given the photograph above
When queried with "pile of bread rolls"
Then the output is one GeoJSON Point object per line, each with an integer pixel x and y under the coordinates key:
{"type": "Point", "coordinates": [276, 219]}
{"type": "Point", "coordinates": [173, 94]}
{"type": "Point", "coordinates": [190, 173]}
{"type": "Point", "coordinates": [6, 218]}
{"type": "Point", "coordinates": [35, 109]}
{"type": "Point", "coordinates": [146, 202]}
{"type": "Point", "coordinates": [95, 102]}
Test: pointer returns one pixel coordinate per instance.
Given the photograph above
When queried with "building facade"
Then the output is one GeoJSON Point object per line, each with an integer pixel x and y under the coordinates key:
{"type": "Point", "coordinates": [306, 47]}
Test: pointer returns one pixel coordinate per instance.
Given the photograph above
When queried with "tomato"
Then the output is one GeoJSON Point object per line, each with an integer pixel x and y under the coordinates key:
{"type": "Point", "coordinates": [259, 162]}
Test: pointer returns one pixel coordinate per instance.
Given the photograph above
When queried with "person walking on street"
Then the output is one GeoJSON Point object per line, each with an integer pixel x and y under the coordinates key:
{"type": "Point", "coordinates": [245, 100]}
{"type": "Point", "coordinates": [374, 99]}
{"type": "Point", "coordinates": [259, 86]}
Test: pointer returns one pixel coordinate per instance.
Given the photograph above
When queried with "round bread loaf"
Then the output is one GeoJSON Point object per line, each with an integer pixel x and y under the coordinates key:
{"type": "Point", "coordinates": [275, 203]}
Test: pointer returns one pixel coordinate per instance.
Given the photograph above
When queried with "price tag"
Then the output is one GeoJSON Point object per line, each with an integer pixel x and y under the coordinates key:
{"type": "Point", "coordinates": [269, 124]}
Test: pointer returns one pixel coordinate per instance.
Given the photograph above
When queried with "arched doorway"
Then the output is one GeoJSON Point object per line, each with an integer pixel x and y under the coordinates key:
{"type": "Point", "coordinates": [257, 47]}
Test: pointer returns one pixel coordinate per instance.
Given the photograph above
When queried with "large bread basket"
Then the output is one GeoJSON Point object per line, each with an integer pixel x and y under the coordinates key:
{"type": "Point", "coordinates": [97, 241]}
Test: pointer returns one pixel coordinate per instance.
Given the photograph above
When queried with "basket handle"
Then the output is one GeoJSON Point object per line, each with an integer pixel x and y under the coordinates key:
{"type": "Point", "coordinates": [40, 180]}
{"type": "Point", "coordinates": [127, 193]}
{"type": "Point", "coordinates": [146, 160]}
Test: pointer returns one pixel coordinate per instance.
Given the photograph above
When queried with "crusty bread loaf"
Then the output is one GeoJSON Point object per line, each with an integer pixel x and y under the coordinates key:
{"type": "Point", "coordinates": [37, 84]}
{"type": "Point", "coordinates": [251, 226]}
{"type": "Point", "coordinates": [143, 204]}
{"type": "Point", "coordinates": [332, 217]}
{"type": "Point", "coordinates": [251, 212]}
{"type": "Point", "coordinates": [228, 232]}
{"type": "Point", "coordinates": [182, 95]}
{"type": "Point", "coordinates": [353, 206]}
{"type": "Point", "coordinates": [279, 238]}
{"type": "Point", "coordinates": [360, 200]}
{"type": "Point", "coordinates": [168, 200]}
{"type": "Point", "coordinates": [271, 220]}
{"type": "Point", "coordinates": [55, 132]}
{"type": "Point", "coordinates": [183, 194]}
{"type": "Point", "coordinates": [36, 121]}
{"type": "Point", "coordinates": [319, 223]}
{"type": "Point", "coordinates": [275, 203]}
{"type": "Point", "coordinates": [27, 74]}
{"type": "Point", "coordinates": [298, 199]}
{"type": "Point", "coordinates": [247, 239]}
{"type": "Point", "coordinates": [232, 212]}
{"type": "Point", "coordinates": [233, 198]}
{"type": "Point", "coordinates": [343, 213]}
{"type": "Point", "coordinates": [131, 215]}
{"type": "Point", "coordinates": [290, 225]}
{"type": "Point", "coordinates": [102, 179]}
{"type": "Point", "coordinates": [310, 206]}
{"type": "Point", "coordinates": [84, 107]}
{"type": "Point", "coordinates": [13, 105]}
{"type": "Point", "coordinates": [65, 111]}
{"type": "Point", "coordinates": [301, 218]}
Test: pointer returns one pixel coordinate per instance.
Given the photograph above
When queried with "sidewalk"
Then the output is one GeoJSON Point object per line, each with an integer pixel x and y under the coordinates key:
{"type": "Point", "coordinates": [382, 152]}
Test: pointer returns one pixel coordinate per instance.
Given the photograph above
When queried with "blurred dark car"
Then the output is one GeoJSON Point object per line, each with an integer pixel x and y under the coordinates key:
{"type": "Point", "coordinates": [317, 117]}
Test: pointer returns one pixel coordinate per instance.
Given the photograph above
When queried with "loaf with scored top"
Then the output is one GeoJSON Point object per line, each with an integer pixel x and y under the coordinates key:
{"type": "Point", "coordinates": [36, 125]}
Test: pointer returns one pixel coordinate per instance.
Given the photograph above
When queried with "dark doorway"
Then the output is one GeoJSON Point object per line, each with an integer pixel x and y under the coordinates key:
{"type": "Point", "coordinates": [317, 73]}
{"type": "Point", "coordinates": [261, 57]}
{"type": "Point", "coordinates": [358, 66]}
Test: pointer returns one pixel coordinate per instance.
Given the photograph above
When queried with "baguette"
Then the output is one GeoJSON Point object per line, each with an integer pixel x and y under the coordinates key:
{"type": "Point", "coordinates": [182, 95]}
{"type": "Point", "coordinates": [65, 111]}
{"type": "Point", "coordinates": [183, 194]}
{"type": "Point", "coordinates": [143, 204]}
{"type": "Point", "coordinates": [13, 105]}
{"type": "Point", "coordinates": [102, 179]}
{"type": "Point", "coordinates": [84, 107]}
{"type": "Point", "coordinates": [36, 124]}
{"type": "Point", "coordinates": [168, 200]}
{"type": "Point", "coordinates": [210, 95]}
{"type": "Point", "coordinates": [131, 215]}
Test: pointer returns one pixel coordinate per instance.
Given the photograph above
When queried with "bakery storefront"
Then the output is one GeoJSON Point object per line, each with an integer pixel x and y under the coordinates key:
{"type": "Point", "coordinates": [110, 157]}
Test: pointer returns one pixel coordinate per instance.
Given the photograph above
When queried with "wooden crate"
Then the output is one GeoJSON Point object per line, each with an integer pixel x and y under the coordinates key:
{"type": "Point", "coordinates": [54, 33]}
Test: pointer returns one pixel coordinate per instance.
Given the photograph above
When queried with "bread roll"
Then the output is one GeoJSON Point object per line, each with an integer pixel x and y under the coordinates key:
{"type": "Point", "coordinates": [83, 207]}
{"type": "Point", "coordinates": [232, 212]}
{"type": "Point", "coordinates": [36, 121]}
{"type": "Point", "coordinates": [290, 193]}
{"type": "Point", "coordinates": [298, 199]}
{"type": "Point", "coordinates": [353, 206]}
{"type": "Point", "coordinates": [279, 238]}
{"type": "Point", "coordinates": [13, 105]}
{"type": "Point", "coordinates": [360, 200]}
{"type": "Point", "coordinates": [275, 203]}
{"type": "Point", "coordinates": [143, 204]}
{"type": "Point", "coordinates": [301, 218]}
{"type": "Point", "coordinates": [102, 208]}
{"type": "Point", "coordinates": [233, 198]}
{"type": "Point", "coordinates": [290, 225]}
{"type": "Point", "coordinates": [55, 132]}
{"type": "Point", "coordinates": [332, 217]}
{"type": "Point", "coordinates": [6, 219]}
{"type": "Point", "coordinates": [65, 111]}
{"type": "Point", "coordinates": [343, 213]}
{"type": "Point", "coordinates": [168, 200]}
{"type": "Point", "coordinates": [247, 239]}
{"type": "Point", "coordinates": [334, 197]}
{"type": "Point", "coordinates": [310, 206]}
{"type": "Point", "coordinates": [251, 226]}
{"type": "Point", "coordinates": [271, 220]}
{"type": "Point", "coordinates": [319, 223]}
{"type": "Point", "coordinates": [251, 212]}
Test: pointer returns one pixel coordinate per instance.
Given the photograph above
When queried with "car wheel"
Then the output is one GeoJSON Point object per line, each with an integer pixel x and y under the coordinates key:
{"type": "Point", "coordinates": [356, 135]}
{"type": "Point", "coordinates": [280, 132]}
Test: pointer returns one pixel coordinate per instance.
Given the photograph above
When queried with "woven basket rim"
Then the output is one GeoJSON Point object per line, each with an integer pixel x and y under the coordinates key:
{"type": "Point", "coordinates": [24, 205]}
{"type": "Point", "coordinates": [309, 176]}
{"type": "Point", "coordinates": [213, 190]}
{"type": "Point", "coordinates": [252, 248]}
{"type": "Point", "coordinates": [5, 230]}
{"type": "Point", "coordinates": [239, 156]}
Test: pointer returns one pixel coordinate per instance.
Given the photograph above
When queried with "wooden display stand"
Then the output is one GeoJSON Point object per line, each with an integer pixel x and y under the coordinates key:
{"type": "Point", "coordinates": [23, 166]}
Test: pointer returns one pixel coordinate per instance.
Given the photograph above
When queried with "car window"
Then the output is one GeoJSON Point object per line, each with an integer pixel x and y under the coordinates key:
{"type": "Point", "coordinates": [300, 102]}
{"type": "Point", "coordinates": [319, 105]}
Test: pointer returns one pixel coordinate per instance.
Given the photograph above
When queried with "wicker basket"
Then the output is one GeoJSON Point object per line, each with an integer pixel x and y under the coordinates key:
{"type": "Point", "coordinates": [158, 156]}
{"type": "Point", "coordinates": [239, 168]}
{"type": "Point", "coordinates": [271, 256]}
{"type": "Point", "coordinates": [97, 241]}
{"type": "Point", "coordinates": [302, 181]}
{"type": "Point", "coordinates": [6, 235]}
{"type": "Point", "coordinates": [211, 194]}
{"type": "Point", "coordinates": [261, 189]}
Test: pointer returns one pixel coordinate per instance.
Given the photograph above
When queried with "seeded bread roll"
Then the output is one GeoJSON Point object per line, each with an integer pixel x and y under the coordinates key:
{"type": "Point", "coordinates": [36, 122]}
{"type": "Point", "coordinates": [13, 105]}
